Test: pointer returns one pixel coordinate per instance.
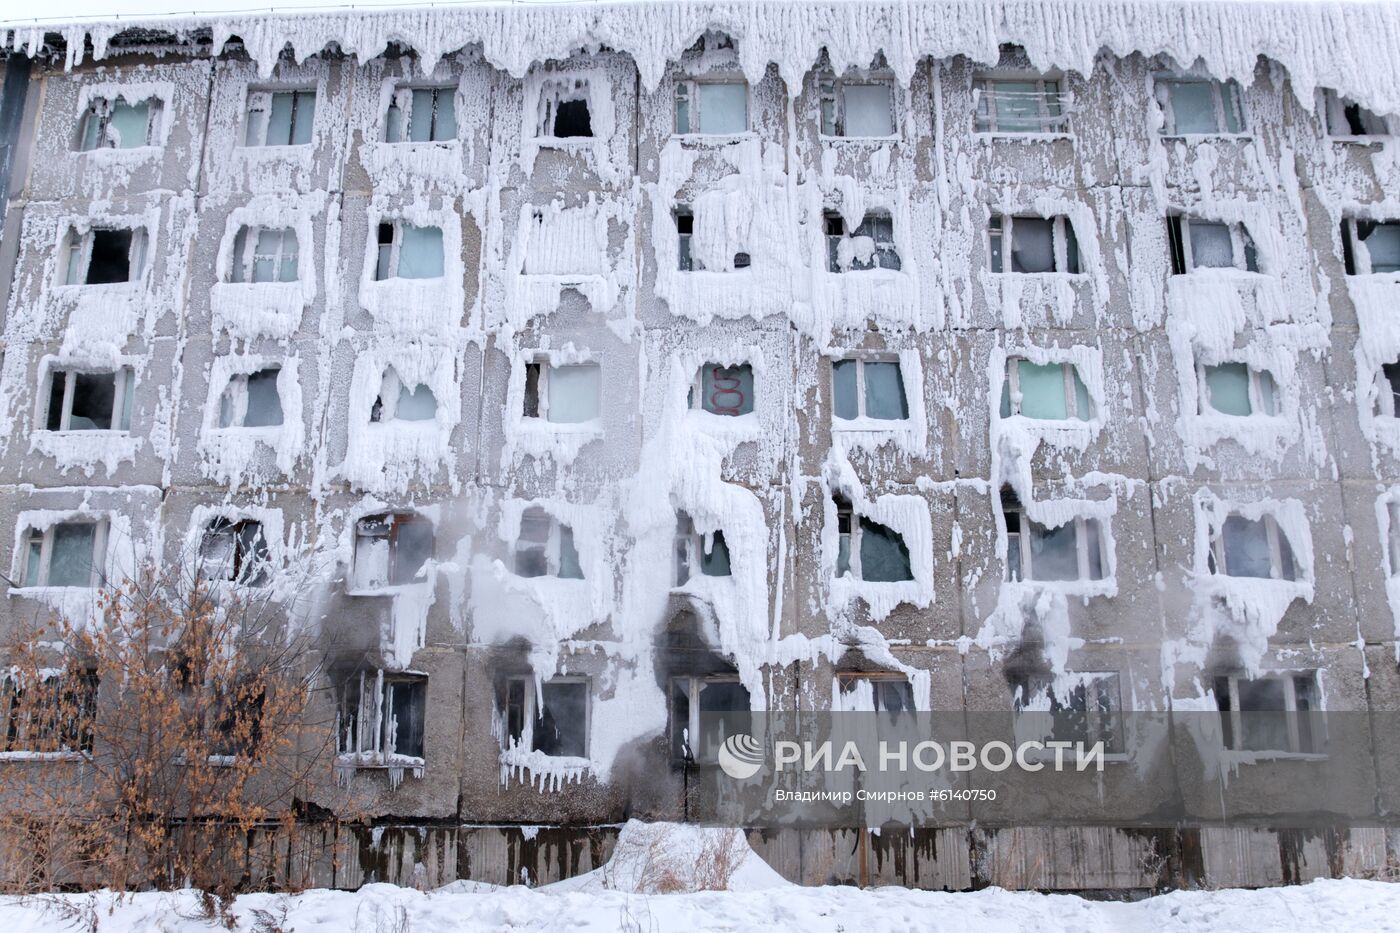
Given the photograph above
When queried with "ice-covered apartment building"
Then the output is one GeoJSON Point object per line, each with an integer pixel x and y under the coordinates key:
{"type": "Point", "coordinates": [580, 368]}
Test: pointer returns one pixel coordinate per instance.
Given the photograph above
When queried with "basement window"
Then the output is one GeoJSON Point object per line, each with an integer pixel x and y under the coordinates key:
{"type": "Point", "coordinates": [722, 390]}
{"type": "Point", "coordinates": [1236, 389]}
{"type": "Point", "coordinates": [867, 550]}
{"type": "Point", "coordinates": [1044, 391]}
{"type": "Point", "coordinates": [1038, 244]}
{"type": "Point", "coordinates": [279, 118]}
{"type": "Point", "coordinates": [54, 715]}
{"type": "Point", "coordinates": [705, 710]}
{"type": "Point", "coordinates": [1029, 105]}
{"type": "Point", "coordinates": [421, 115]}
{"type": "Point", "coordinates": [381, 714]}
{"type": "Point", "coordinates": [862, 388]}
{"type": "Point", "coordinates": [1085, 711]}
{"type": "Point", "coordinates": [391, 549]}
{"type": "Point", "coordinates": [1388, 390]}
{"type": "Point", "coordinates": [68, 553]}
{"type": "Point", "coordinates": [1250, 547]}
{"type": "Point", "coordinates": [552, 721]}
{"type": "Point", "coordinates": [1348, 119]}
{"type": "Point", "coordinates": [869, 246]}
{"type": "Point", "coordinates": [406, 251]}
{"type": "Point", "coordinates": [707, 552]}
{"type": "Point", "coordinates": [1370, 247]}
{"type": "Point", "coordinates": [712, 108]}
{"type": "Point", "coordinates": [250, 400]}
{"type": "Point", "coordinates": [1071, 552]}
{"type": "Point", "coordinates": [105, 256]}
{"type": "Point", "coordinates": [119, 124]}
{"type": "Point", "coordinates": [563, 112]}
{"type": "Point", "coordinates": [545, 547]}
{"type": "Point", "coordinates": [398, 402]}
{"type": "Point", "coordinates": [1275, 713]}
{"type": "Point", "coordinates": [1209, 244]}
{"type": "Point", "coordinates": [264, 255]}
{"type": "Point", "coordinates": [86, 401]}
{"type": "Point", "coordinates": [1197, 107]}
{"type": "Point", "coordinates": [235, 550]}
{"type": "Point", "coordinates": [568, 394]}
{"type": "Point", "coordinates": [857, 108]}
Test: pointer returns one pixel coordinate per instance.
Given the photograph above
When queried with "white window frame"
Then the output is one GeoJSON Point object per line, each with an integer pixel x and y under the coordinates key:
{"type": "Point", "coordinates": [694, 683]}
{"type": "Point", "coordinates": [257, 114]}
{"type": "Point", "coordinates": [833, 241]}
{"type": "Point", "coordinates": [44, 539]}
{"type": "Point", "coordinates": [848, 527]}
{"type": "Point", "coordinates": [1257, 406]}
{"type": "Point", "coordinates": [78, 249]}
{"type": "Point", "coordinates": [242, 268]}
{"type": "Point", "coordinates": [1360, 252]}
{"type": "Point", "coordinates": [1001, 239]}
{"type": "Point", "coordinates": [374, 696]}
{"type": "Point", "coordinates": [984, 111]}
{"type": "Point", "coordinates": [237, 572]}
{"type": "Point", "coordinates": [1161, 92]}
{"type": "Point", "coordinates": [531, 712]}
{"type": "Point", "coordinates": [688, 90]}
{"type": "Point", "coordinates": [123, 395]}
{"type": "Point", "coordinates": [1068, 370]}
{"type": "Point", "coordinates": [1290, 711]}
{"type": "Point", "coordinates": [1334, 117]}
{"type": "Point", "coordinates": [562, 88]}
{"type": "Point", "coordinates": [395, 518]}
{"type": "Point", "coordinates": [235, 395]}
{"type": "Point", "coordinates": [1274, 534]}
{"type": "Point", "coordinates": [553, 546]}
{"type": "Point", "coordinates": [391, 270]}
{"type": "Point", "coordinates": [1240, 242]}
{"type": "Point", "coordinates": [1024, 571]}
{"type": "Point", "coordinates": [401, 110]}
{"type": "Point", "coordinates": [98, 117]}
{"type": "Point", "coordinates": [695, 400]}
{"type": "Point", "coordinates": [831, 92]}
{"type": "Point", "coordinates": [861, 419]}
{"type": "Point", "coordinates": [391, 390]}
{"type": "Point", "coordinates": [544, 367]}
{"type": "Point", "coordinates": [689, 551]}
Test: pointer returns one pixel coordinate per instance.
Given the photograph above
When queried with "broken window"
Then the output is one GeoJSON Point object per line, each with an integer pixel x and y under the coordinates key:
{"type": "Point", "coordinates": [398, 402]}
{"type": "Point", "coordinates": [406, 251]}
{"type": "Point", "coordinates": [1029, 105]}
{"type": "Point", "coordinates": [1346, 118]}
{"type": "Point", "coordinates": [54, 715]}
{"type": "Point", "coordinates": [279, 118]}
{"type": "Point", "coordinates": [1388, 390]}
{"type": "Point", "coordinates": [719, 108]}
{"type": "Point", "coordinates": [421, 115]}
{"type": "Point", "coordinates": [391, 550]}
{"type": "Point", "coordinates": [250, 400]}
{"type": "Point", "coordinates": [1038, 244]}
{"type": "Point", "coordinates": [68, 553]}
{"type": "Point", "coordinates": [862, 388]}
{"type": "Point", "coordinates": [568, 394]}
{"type": "Point", "coordinates": [1044, 391]}
{"type": "Point", "coordinates": [685, 229]}
{"type": "Point", "coordinates": [708, 552]}
{"type": "Point", "coordinates": [1370, 246]}
{"type": "Point", "coordinates": [1236, 389]}
{"type": "Point", "coordinates": [264, 255]}
{"type": "Point", "coordinates": [1251, 547]}
{"type": "Point", "coordinates": [552, 720]}
{"type": "Point", "coordinates": [1274, 713]}
{"type": "Point", "coordinates": [1209, 244]}
{"type": "Point", "coordinates": [857, 108]}
{"type": "Point", "coordinates": [235, 550]}
{"type": "Point", "coordinates": [1085, 711]}
{"type": "Point", "coordinates": [105, 256]}
{"type": "Point", "coordinates": [119, 124]}
{"type": "Point", "coordinates": [1199, 106]}
{"type": "Point", "coordinates": [563, 112]}
{"type": "Point", "coordinates": [1070, 552]}
{"type": "Point", "coordinates": [869, 246]}
{"type": "Point", "coordinates": [381, 714]}
{"type": "Point", "coordinates": [84, 401]}
{"type": "Point", "coordinates": [723, 390]}
{"type": "Point", "coordinates": [867, 550]}
{"type": "Point", "coordinates": [706, 710]}
{"type": "Point", "coordinates": [891, 694]}
{"type": "Point", "coordinates": [236, 721]}
{"type": "Point", "coordinates": [545, 547]}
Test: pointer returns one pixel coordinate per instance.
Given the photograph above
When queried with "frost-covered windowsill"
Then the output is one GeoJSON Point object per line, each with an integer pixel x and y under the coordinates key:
{"type": "Point", "coordinates": [1024, 137]}
{"type": "Point", "coordinates": [410, 145]}
{"type": "Point", "coordinates": [566, 143]}
{"type": "Point", "coordinates": [870, 425]}
{"type": "Point", "coordinates": [37, 592]}
{"type": "Point", "coordinates": [1079, 589]}
{"type": "Point", "coordinates": [1206, 137]}
{"type": "Point", "coordinates": [1043, 276]}
{"type": "Point", "coordinates": [703, 140]}
{"type": "Point", "coordinates": [381, 590]}
{"type": "Point", "coordinates": [1366, 142]}
{"type": "Point", "coordinates": [101, 288]}
{"type": "Point", "coordinates": [255, 151]}
{"type": "Point", "coordinates": [858, 140]}
{"type": "Point", "coordinates": [133, 154]}
{"type": "Point", "coordinates": [575, 429]}
{"type": "Point", "coordinates": [95, 433]}
{"type": "Point", "coordinates": [368, 761]}
{"type": "Point", "coordinates": [23, 755]}
{"type": "Point", "coordinates": [1234, 756]}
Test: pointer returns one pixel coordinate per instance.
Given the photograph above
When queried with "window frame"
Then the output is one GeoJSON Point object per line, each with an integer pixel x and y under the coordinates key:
{"type": "Point", "coordinates": [850, 527]}
{"type": "Point", "coordinates": [78, 252]}
{"type": "Point", "coordinates": [530, 713]}
{"type": "Point", "coordinates": [1070, 372]}
{"type": "Point", "coordinates": [1001, 230]}
{"type": "Point", "coordinates": [861, 422]}
{"type": "Point", "coordinates": [44, 538]}
{"type": "Point", "coordinates": [395, 520]}
{"type": "Point", "coordinates": [552, 546]}
{"type": "Point", "coordinates": [257, 127]}
{"type": "Point", "coordinates": [22, 737]}
{"type": "Point", "coordinates": [689, 552]}
{"type": "Point", "coordinates": [831, 92]}
{"type": "Point", "coordinates": [694, 686]}
{"type": "Point", "coordinates": [883, 247]}
{"type": "Point", "coordinates": [984, 121]}
{"type": "Point", "coordinates": [1024, 689]}
{"type": "Point", "coordinates": [542, 367]}
{"type": "Point", "coordinates": [233, 398]}
{"type": "Point", "coordinates": [239, 566]}
{"type": "Point", "coordinates": [1257, 408]}
{"type": "Point", "coordinates": [687, 90]}
{"type": "Point", "coordinates": [404, 115]}
{"type": "Point", "coordinates": [381, 703]}
{"type": "Point", "coordinates": [1022, 570]}
{"type": "Point", "coordinates": [1356, 255]}
{"type": "Point", "coordinates": [695, 399]}
{"type": "Point", "coordinates": [244, 258]}
{"type": "Point", "coordinates": [98, 117]}
{"type": "Point", "coordinates": [386, 269]}
{"type": "Point", "coordinates": [553, 90]}
{"type": "Point", "coordinates": [1216, 560]}
{"type": "Point", "coordinates": [1335, 107]}
{"type": "Point", "coordinates": [1183, 261]}
{"type": "Point", "coordinates": [123, 396]}
{"type": "Point", "coordinates": [1232, 731]}
{"type": "Point", "coordinates": [1161, 93]}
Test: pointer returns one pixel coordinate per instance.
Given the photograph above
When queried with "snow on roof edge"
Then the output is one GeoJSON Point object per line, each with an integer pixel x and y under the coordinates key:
{"type": "Point", "coordinates": [1350, 46]}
